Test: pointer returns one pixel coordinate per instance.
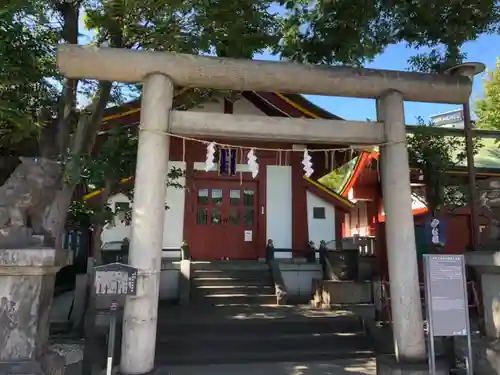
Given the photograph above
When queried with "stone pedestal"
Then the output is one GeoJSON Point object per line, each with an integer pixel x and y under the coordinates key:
{"type": "Point", "coordinates": [387, 365]}
{"type": "Point", "coordinates": [487, 265]}
{"type": "Point", "coordinates": [26, 289]}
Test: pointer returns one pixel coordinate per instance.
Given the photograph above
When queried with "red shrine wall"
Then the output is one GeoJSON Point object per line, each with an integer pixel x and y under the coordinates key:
{"type": "Point", "coordinates": [365, 216]}
{"type": "Point", "coordinates": [280, 207]}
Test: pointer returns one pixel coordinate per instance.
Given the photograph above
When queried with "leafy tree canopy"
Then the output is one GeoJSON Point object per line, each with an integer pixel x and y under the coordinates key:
{"type": "Point", "coordinates": [487, 108]}
{"type": "Point", "coordinates": [60, 118]}
{"type": "Point", "coordinates": [26, 50]}
{"type": "Point", "coordinates": [434, 155]}
{"type": "Point", "coordinates": [354, 31]}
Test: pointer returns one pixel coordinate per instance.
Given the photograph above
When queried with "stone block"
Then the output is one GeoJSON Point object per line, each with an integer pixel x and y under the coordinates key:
{"type": "Point", "coordinates": [21, 368]}
{"type": "Point", "coordinates": [298, 279]}
{"type": "Point", "coordinates": [26, 289]}
{"type": "Point", "coordinates": [64, 358]}
{"type": "Point", "coordinates": [387, 365]}
{"type": "Point", "coordinates": [487, 264]}
{"type": "Point", "coordinates": [346, 292]}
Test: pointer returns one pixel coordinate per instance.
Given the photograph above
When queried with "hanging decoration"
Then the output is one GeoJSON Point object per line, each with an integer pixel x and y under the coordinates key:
{"type": "Point", "coordinates": [228, 158]}
{"type": "Point", "coordinates": [227, 161]}
{"type": "Point", "coordinates": [307, 163]}
{"type": "Point", "coordinates": [210, 161]}
{"type": "Point", "coordinates": [253, 166]}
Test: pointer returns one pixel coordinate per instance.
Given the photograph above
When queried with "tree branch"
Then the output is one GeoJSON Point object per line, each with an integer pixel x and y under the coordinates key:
{"type": "Point", "coordinates": [54, 136]}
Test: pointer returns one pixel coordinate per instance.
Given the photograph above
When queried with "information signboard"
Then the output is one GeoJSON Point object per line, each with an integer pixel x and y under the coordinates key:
{"type": "Point", "coordinates": [447, 295]}
{"type": "Point", "coordinates": [115, 279]}
{"type": "Point", "coordinates": [446, 301]}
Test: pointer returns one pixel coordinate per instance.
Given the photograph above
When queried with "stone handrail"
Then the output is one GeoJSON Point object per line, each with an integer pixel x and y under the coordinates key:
{"type": "Point", "coordinates": [279, 283]}
{"type": "Point", "coordinates": [274, 269]}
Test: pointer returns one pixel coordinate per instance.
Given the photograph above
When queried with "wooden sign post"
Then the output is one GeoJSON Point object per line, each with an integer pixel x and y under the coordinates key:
{"type": "Point", "coordinates": [447, 305]}
{"type": "Point", "coordinates": [114, 280]}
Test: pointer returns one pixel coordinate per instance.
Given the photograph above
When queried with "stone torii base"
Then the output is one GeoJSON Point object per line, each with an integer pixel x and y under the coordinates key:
{"type": "Point", "coordinates": [159, 71]}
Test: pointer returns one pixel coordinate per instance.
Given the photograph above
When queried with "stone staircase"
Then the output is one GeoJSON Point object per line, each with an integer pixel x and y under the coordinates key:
{"type": "Point", "coordinates": [231, 283]}
{"type": "Point", "coordinates": [255, 333]}
{"type": "Point", "coordinates": [233, 318]}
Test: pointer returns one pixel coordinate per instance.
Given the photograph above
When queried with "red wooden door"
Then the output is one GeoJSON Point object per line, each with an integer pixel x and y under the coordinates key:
{"type": "Point", "coordinates": [225, 220]}
{"type": "Point", "coordinates": [240, 220]}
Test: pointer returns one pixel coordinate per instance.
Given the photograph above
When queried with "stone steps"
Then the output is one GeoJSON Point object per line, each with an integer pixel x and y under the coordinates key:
{"type": "Point", "coordinates": [234, 299]}
{"type": "Point", "coordinates": [231, 283]}
{"type": "Point", "coordinates": [234, 289]}
{"type": "Point", "coordinates": [243, 275]}
{"type": "Point", "coordinates": [249, 334]}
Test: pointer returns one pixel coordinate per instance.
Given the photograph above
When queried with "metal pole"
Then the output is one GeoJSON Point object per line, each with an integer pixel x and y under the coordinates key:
{"type": "Point", "coordinates": [469, 358]}
{"type": "Point", "coordinates": [111, 338]}
{"type": "Point", "coordinates": [471, 170]}
{"type": "Point", "coordinates": [431, 350]}
{"type": "Point", "coordinates": [470, 70]}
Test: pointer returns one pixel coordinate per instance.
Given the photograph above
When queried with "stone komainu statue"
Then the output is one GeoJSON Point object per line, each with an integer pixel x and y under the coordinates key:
{"type": "Point", "coordinates": [25, 197]}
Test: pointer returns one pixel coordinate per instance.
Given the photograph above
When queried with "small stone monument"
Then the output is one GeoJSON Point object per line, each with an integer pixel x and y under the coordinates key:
{"type": "Point", "coordinates": [27, 265]}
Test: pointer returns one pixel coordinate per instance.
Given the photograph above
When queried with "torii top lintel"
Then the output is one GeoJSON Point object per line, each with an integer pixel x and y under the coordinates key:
{"type": "Point", "coordinates": [123, 65]}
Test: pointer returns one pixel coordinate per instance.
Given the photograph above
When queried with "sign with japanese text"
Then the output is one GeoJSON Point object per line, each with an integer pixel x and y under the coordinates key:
{"type": "Point", "coordinates": [115, 279]}
{"type": "Point", "coordinates": [446, 295]}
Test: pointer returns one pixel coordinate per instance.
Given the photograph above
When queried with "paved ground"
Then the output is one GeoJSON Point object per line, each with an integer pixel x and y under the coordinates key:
{"type": "Point", "coordinates": [338, 367]}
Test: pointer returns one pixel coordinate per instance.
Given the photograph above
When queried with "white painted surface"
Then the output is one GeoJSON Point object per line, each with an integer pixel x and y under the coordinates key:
{"type": "Point", "coordinates": [320, 229]}
{"type": "Point", "coordinates": [240, 107]}
{"type": "Point", "coordinates": [173, 227]}
{"type": "Point", "coordinates": [279, 207]}
{"type": "Point", "coordinates": [244, 107]}
{"type": "Point", "coordinates": [118, 230]}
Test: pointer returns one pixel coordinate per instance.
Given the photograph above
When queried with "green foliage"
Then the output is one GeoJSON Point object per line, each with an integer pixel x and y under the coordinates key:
{"type": "Point", "coordinates": [355, 31]}
{"type": "Point", "coordinates": [433, 155]}
{"type": "Point", "coordinates": [231, 28]}
{"type": "Point", "coordinates": [26, 50]}
{"type": "Point", "coordinates": [55, 116]}
{"type": "Point", "coordinates": [115, 159]}
{"type": "Point", "coordinates": [487, 108]}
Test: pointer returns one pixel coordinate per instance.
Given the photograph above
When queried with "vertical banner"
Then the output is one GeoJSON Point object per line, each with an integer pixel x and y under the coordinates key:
{"type": "Point", "coordinates": [435, 229]}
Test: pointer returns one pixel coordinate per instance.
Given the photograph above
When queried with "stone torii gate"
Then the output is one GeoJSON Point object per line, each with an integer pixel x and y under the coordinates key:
{"type": "Point", "coordinates": [159, 71]}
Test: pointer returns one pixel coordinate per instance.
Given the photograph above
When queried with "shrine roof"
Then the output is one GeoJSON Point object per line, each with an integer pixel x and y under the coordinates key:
{"type": "Point", "coordinates": [270, 103]}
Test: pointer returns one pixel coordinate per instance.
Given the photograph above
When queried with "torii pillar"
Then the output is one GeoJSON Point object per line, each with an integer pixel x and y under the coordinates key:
{"type": "Point", "coordinates": [148, 215]}
{"type": "Point", "coordinates": [154, 68]}
{"type": "Point", "coordinates": [407, 323]}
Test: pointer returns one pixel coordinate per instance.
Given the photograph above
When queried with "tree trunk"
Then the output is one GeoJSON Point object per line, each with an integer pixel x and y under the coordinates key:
{"type": "Point", "coordinates": [83, 143]}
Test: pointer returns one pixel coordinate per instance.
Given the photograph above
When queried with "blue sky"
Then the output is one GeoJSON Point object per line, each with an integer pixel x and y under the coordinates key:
{"type": "Point", "coordinates": [395, 58]}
